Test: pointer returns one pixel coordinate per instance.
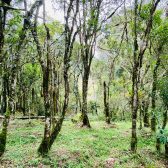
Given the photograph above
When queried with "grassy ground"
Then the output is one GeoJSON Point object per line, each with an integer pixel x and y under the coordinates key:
{"type": "Point", "coordinates": [101, 146]}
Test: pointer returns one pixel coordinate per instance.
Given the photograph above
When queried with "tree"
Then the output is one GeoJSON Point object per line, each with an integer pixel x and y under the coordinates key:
{"type": "Point", "coordinates": [137, 64]}
{"type": "Point", "coordinates": [70, 35]}
{"type": "Point", "coordinates": [10, 108]}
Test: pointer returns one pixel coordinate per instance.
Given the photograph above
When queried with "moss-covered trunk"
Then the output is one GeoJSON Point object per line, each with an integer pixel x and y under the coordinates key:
{"type": "Point", "coordinates": [44, 146]}
{"type": "Point", "coordinates": [153, 119]}
{"type": "Point", "coordinates": [84, 96]}
{"type": "Point", "coordinates": [3, 134]}
{"type": "Point", "coordinates": [24, 100]}
{"type": "Point", "coordinates": [134, 110]}
{"type": "Point", "coordinates": [135, 84]}
{"type": "Point", "coordinates": [106, 106]}
{"type": "Point", "coordinates": [32, 105]}
{"type": "Point", "coordinates": [4, 105]}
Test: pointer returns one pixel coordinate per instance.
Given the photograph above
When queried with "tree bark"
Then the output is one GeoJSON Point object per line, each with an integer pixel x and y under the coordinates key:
{"type": "Point", "coordinates": [84, 97]}
{"type": "Point", "coordinates": [145, 106]}
{"type": "Point", "coordinates": [4, 105]}
{"type": "Point", "coordinates": [24, 100]}
{"type": "Point", "coordinates": [135, 85]}
{"type": "Point", "coordinates": [32, 105]}
{"type": "Point", "coordinates": [153, 119]}
{"type": "Point", "coordinates": [106, 107]}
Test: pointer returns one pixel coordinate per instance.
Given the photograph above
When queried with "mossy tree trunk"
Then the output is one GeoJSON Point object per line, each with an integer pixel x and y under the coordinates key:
{"type": "Point", "coordinates": [33, 99]}
{"type": "Point", "coordinates": [3, 13]}
{"type": "Point", "coordinates": [76, 91]}
{"type": "Point", "coordinates": [145, 106]}
{"type": "Point", "coordinates": [135, 85]}
{"type": "Point", "coordinates": [84, 96]}
{"type": "Point", "coordinates": [4, 105]}
{"type": "Point", "coordinates": [45, 65]}
{"type": "Point", "coordinates": [153, 119]}
{"type": "Point", "coordinates": [70, 36]}
{"type": "Point", "coordinates": [50, 136]}
{"type": "Point", "coordinates": [55, 90]}
{"type": "Point", "coordinates": [3, 134]}
{"type": "Point", "coordinates": [145, 100]}
{"type": "Point", "coordinates": [24, 100]}
{"type": "Point", "coordinates": [106, 107]}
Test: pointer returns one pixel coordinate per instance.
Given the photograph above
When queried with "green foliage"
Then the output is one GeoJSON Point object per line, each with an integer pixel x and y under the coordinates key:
{"type": "Point", "coordinates": [17, 18]}
{"type": "Point", "coordinates": [145, 17]}
{"type": "Point", "coordinates": [92, 106]}
{"type": "Point", "coordinates": [31, 73]}
{"type": "Point", "coordinates": [119, 72]}
{"type": "Point", "coordinates": [162, 86]}
{"type": "Point", "coordinates": [163, 136]}
{"type": "Point", "coordinates": [77, 118]}
{"type": "Point", "coordinates": [55, 27]}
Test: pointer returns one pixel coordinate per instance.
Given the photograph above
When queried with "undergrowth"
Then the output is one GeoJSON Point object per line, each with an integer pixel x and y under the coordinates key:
{"type": "Point", "coordinates": [101, 146]}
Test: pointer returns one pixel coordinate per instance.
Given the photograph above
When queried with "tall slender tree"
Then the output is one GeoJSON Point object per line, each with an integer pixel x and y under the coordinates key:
{"type": "Point", "coordinates": [11, 102]}
{"type": "Point", "coordinates": [70, 35]}
{"type": "Point", "coordinates": [137, 63]}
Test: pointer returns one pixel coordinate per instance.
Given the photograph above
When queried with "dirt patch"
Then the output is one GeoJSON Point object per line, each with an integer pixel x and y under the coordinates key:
{"type": "Point", "coordinates": [110, 162]}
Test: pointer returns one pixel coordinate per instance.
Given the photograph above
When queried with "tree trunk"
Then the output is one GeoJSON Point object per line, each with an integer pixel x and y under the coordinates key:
{"type": "Point", "coordinates": [24, 100]}
{"type": "Point", "coordinates": [166, 150]}
{"type": "Point", "coordinates": [4, 105]}
{"type": "Point", "coordinates": [140, 117]}
{"type": "Point", "coordinates": [134, 110]}
{"type": "Point", "coordinates": [153, 119]}
{"type": "Point", "coordinates": [106, 107]}
{"type": "Point", "coordinates": [145, 105]}
{"type": "Point", "coordinates": [32, 105]}
{"type": "Point", "coordinates": [84, 96]}
{"type": "Point", "coordinates": [3, 134]}
{"type": "Point", "coordinates": [44, 146]}
{"type": "Point", "coordinates": [135, 85]}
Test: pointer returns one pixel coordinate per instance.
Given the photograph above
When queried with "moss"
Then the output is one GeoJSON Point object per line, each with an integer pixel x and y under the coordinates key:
{"type": "Point", "coordinates": [46, 144]}
{"type": "Point", "coordinates": [134, 144]}
{"type": "Point", "coordinates": [3, 135]}
{"type": "Point", "coordinates": [43, 148]}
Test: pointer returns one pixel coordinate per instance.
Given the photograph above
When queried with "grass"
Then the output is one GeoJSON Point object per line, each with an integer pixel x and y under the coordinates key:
{"type": "Point", "coordinates": [101, 146]}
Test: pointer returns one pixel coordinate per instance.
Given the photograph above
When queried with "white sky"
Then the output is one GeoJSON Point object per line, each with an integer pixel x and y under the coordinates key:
{"type": "Point", "coordinates": [54, 13]}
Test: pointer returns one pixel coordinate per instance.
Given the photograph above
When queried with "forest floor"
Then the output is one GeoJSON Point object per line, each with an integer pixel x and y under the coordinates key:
{"type": "Point", "coordinates": [102, 146]}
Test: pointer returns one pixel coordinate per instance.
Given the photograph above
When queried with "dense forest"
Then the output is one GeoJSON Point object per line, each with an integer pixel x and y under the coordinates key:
{"type": "Point", "coordinates": [102, 72]}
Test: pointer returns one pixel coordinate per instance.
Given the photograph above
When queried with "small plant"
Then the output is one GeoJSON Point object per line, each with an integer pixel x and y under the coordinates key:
{"type": "Point", "coordinates": [77, 119]}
